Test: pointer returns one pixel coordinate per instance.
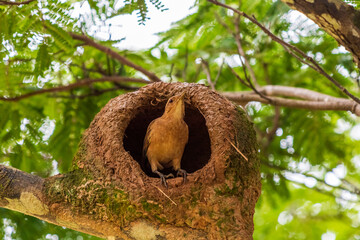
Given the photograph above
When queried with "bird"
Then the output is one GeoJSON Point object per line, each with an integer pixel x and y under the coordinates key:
{"type": "Point", "coordinates": [165, 139]}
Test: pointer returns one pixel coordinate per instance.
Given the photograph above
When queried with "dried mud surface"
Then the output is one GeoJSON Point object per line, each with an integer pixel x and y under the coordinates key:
{"type": "Point", "coordinates": [112, 146]}
{"type": "Point", "coordinates": [219, 198]}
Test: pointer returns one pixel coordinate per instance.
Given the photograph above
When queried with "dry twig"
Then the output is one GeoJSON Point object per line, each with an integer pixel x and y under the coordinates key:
{"type": "Point", "coordinates": [238, 150]}
{"type": "Point", "coordinates": [164, 194]}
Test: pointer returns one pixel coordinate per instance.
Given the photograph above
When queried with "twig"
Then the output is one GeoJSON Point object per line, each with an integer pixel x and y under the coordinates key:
{"type": "Point", "coordinates": [96, 92]}
{"type": "Point", "coordinates": [164, 194]}
{"type": "Point", "coordinates": [115, 55]}
{"type": "Point", "coordinates": [280, 168]}
{"type": "Point", "coordinates": [186, 64]}
{"type": "Point", "coordinates": [206, 69]}
{"type": "Point", "coordinates": [271, 134]}
{"type": "Point", "coordinates": [238, 150]}
{"type": "Point", "coordinates": [250, 85]}
{"type": "Point", "coordinates": [241, 51]}
{"type": "Point", "coordinates": [219, 72]}
{"type": "Point", "coordinates": [170, 73]}
{"type": "Point", "coordinates": [84, 82]}
{"type": "Point", "coordinates": [238, 77]}
{"type": "Point", "coordinates": [291, 49]}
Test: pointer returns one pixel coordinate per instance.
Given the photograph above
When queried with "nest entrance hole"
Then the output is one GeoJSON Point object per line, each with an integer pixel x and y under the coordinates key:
{"type": "Point", "coordinates": [197, 151]}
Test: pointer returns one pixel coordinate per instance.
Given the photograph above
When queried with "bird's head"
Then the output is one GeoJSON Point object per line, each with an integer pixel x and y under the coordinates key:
{"type": "Point", "coordinates": [175, 106]}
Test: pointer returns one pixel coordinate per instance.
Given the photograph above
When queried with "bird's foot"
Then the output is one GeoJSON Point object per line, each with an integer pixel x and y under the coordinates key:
{"type": "Point", "coordinates": [170, 175]}
{"type": "Point", "coordinates": [183, 173]}
{"type": "Point", "coordinates": [164, 177]}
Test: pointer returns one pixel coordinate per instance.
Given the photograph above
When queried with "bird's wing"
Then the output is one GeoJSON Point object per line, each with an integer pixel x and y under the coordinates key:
{"type": "Point", "coordinates": [147, 139]}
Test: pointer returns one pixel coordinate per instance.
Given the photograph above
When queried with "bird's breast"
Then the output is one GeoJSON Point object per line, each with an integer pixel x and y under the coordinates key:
{"type": "Point", "coordinates": [167, 140]}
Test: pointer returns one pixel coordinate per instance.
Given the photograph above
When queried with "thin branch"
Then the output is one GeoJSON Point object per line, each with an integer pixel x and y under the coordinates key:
{"type": "Point", "coordinates": [250, 85]}
{"type": "Point", "coordinates": [241, 51]}
{"type": "Point", "coordinates": [184, 73]}
{"type": "Point", "coordinates": [170, 73]}
{"type": "Point", "coordinates": [342, 104]}
{"type": "Point", "coordinates": [115, 55]}
{"type": "Point", "coordinates": [219, 72]}
{"type": "Point", "coordinates": [205, 66]}
{"type": "Point", "coordinates": [283, 169]}
{"type": "Point", "coordinates": [276, 122]}
{"type": "Point", "coordinates": [96, 92]}
{"type": "Point", "coordinates": [319, 190]}
{"type": "Point", "coordinates": [15, 3]}
{"type": "Point", "coordinates": [238, 77]}
{"type": "Point", "coordinates": [85, 82]}
{"type": "Point", "coordinates": [294, 50]}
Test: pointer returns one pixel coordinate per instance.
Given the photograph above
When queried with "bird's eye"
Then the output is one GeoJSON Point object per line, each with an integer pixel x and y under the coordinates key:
{"type": "Point", "coordinates": [170, 101]}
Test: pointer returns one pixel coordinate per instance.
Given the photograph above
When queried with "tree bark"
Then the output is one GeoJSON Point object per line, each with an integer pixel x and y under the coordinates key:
{"type": "Point", "coordinates": [27, 193]}
{"type": "Point", "coordinates": [340, 20]}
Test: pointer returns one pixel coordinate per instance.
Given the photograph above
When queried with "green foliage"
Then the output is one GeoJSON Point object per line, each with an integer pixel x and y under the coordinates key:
{"type": "Point", "coordinates": [40, 134]}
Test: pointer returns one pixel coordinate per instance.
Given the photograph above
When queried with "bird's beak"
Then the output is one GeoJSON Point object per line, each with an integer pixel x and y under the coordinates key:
{"type": "Point", "coordinates": [182, 95]}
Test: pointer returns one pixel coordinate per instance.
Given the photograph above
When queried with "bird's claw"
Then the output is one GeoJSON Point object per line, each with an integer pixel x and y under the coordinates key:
{"type": "Point", "coordinates": [183, 173]}
{"type": "Point", "coordinates": [170, 175]}
{"type": "Point", "coordinates": [163, 181]}
{"type": "Point", "coordinates": [164, 177]}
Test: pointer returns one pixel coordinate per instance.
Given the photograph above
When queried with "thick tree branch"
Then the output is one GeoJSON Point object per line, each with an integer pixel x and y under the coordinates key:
{"type": "Point", "coordinates": [115, 55]}
{"type": "Point", "coordinates": [297, 53]}
{"type": "Point", "coordinates": [337, 18]}
{"type": "Point", "coordinates": [23, 192]}
{"type": "Point", "coordinates": [15, 3]}
{"type": "Point", "coordinates": [316, 102]}
{"type": "Point", "coordinates": [85, 82]}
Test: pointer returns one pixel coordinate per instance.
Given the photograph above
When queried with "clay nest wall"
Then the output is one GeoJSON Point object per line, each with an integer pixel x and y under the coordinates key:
{"type": "Point", "coordinates": [112, 146]}
{"type": "Point", "coordinates": [222, 189]}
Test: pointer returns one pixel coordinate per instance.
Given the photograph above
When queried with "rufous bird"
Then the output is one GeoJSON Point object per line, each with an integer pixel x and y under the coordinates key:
{"type": "Point", "coordinates": [166, 138]}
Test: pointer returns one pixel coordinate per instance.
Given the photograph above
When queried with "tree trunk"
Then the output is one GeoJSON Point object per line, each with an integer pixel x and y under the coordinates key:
{"type": "Point", "coordinates": [111, 192]}
{"type": "Point", "coordinates": [337, 18]}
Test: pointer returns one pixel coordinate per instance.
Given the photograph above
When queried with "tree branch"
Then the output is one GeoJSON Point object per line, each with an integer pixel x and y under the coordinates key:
{"type": "Point", "coordinates": [241, 51]}
{"type": "Point", "coordinates": [249, 84]}
{"type": "Point", "coordinates": [353, 190]}
{"type": "Point", "coordinates": [219, 72]}
{"type": "Point", "coordinates": [84, 82]}
{"type": "Point", "coordinates": [206, 69]}
{"type": "Point", "coordinates": [317, 101]}
{"type": "Point", "coordinates": [27, 193]}
{"type": "Point", "coordinates": [97, 92]}
{"type": "Point", "coordinates": [291, 49]}
{"type": "Point", "coordinates": [115, 55]}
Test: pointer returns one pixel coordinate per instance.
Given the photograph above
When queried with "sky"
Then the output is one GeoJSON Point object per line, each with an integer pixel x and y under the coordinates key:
{"type": "Point", "coordinates": [127, 26]}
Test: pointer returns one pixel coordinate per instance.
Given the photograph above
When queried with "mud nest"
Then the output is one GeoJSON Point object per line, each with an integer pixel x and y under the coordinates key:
{"type": "Point", "coordinates": [112, 145]}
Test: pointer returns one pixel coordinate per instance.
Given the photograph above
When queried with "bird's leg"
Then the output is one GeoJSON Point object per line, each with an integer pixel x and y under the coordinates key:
{"type": "Point", "coordinates": [183, 173]}
{"type": "Point", "coordinates": [163, 177]}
